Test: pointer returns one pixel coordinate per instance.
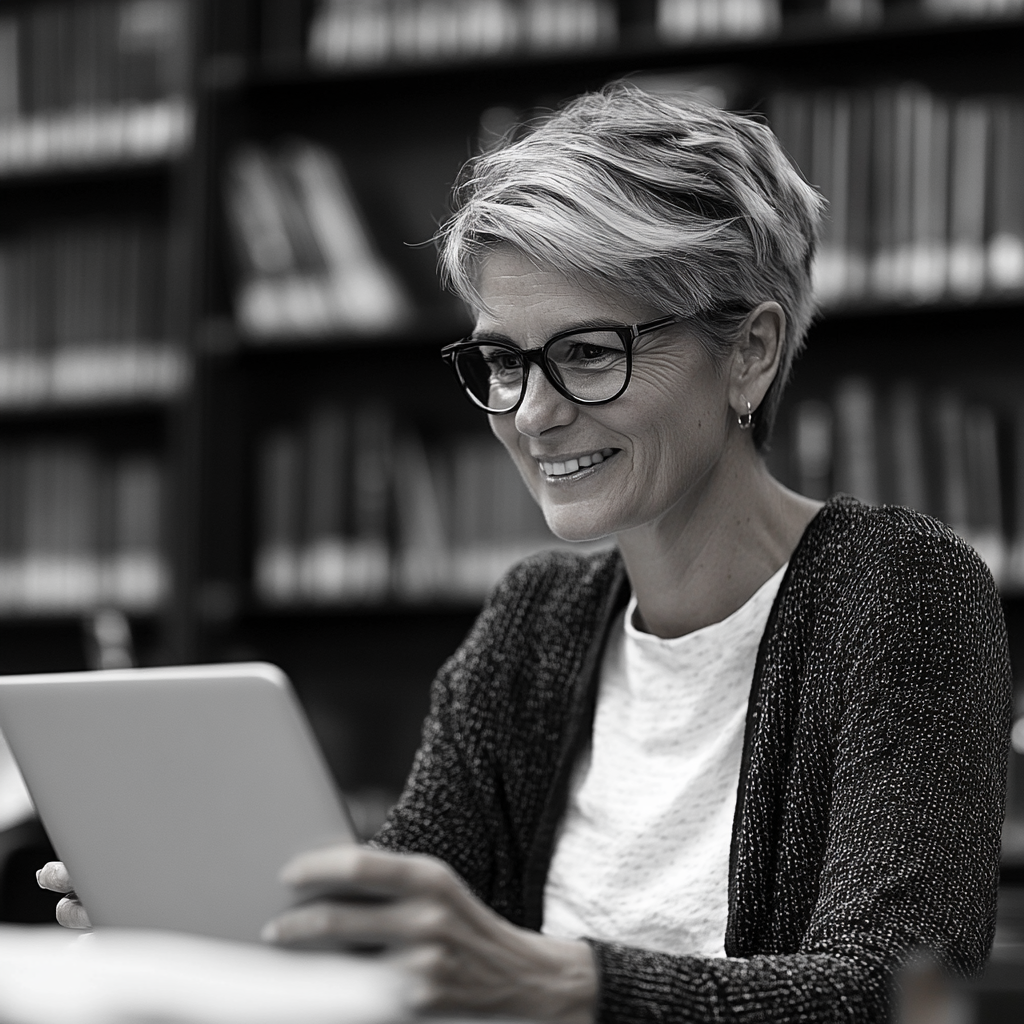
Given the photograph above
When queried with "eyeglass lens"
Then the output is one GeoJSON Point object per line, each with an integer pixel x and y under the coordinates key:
{"type": "Point", "coordinates": [590, 366]}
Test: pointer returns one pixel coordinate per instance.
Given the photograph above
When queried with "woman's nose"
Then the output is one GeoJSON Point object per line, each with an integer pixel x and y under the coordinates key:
{"type": "Point", "coordinates": [542, 406]}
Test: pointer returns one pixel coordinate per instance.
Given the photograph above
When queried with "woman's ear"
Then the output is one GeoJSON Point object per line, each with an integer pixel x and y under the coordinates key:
{"type": "Point", "coordinates": [756, 356]}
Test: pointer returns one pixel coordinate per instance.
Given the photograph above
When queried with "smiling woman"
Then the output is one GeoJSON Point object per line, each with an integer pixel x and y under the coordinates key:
{"type": "Point", "coordinates": [748, 764]}
{"type": "Point", "coordinates": [752, 761]}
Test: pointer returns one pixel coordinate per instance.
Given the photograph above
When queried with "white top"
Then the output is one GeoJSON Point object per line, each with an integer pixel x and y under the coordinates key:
{"type": "Point", "coordinates": [642, 857]}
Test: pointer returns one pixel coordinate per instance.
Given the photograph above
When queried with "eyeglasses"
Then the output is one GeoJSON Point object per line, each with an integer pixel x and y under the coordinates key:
{"type": "Point", "coordinates": [589, 365]}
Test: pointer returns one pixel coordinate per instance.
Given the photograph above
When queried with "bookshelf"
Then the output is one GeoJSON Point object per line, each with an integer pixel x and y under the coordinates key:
{"type": "Point", "coordinates": [397, 118]}
{"type": "Point", "coordinates": [289, 155]}
{"type": "Point", "coordinates": [96, 137]}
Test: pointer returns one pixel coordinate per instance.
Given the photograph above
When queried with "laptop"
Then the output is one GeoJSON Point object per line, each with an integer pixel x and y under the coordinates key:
{"type": "Point", "coordinates": [174, 795]}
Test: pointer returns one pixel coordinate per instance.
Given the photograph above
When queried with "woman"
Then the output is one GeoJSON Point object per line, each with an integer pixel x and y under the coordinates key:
{"type": "Point", "coordinates": [746, 764]}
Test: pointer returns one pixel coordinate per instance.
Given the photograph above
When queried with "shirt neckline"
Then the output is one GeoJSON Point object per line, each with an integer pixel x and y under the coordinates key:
{"type": "Point", "coordinates": [634, 633]}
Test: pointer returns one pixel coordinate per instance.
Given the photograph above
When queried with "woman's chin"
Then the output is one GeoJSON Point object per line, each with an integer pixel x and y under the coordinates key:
{"type": "Point", "coordinates": [576, 531]}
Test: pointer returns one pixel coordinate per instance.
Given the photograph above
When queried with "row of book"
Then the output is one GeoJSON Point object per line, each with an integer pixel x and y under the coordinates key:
{"type": "Point", "coordinates": [131, 133]}
{"type": "Point", "coordinates": [307, 264]}
{"type": "Point", "coordinates": [80, 528]}
{"type": "Point", "coordinates": [85, 283]}
{"type": "Point", "coordinates": [931, 449]}
{"type": "Point", "coordinates": [924, 190]}
{"type": "Point", "coordinates": [352, 506]}
{"type": "Point", "coordinates": [353, 32]}
{"type": "Point", "coordinates": [125, 372]}
{"type": "Point", "coordinates": [91, 54]}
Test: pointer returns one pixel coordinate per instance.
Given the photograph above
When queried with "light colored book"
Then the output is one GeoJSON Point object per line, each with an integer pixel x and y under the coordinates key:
{"type": "Point", "coordinates": [10, 98]}
{"type": "Point", "coordinates": [909, 476]}
{"type": "Point", "coordinates": [856, 469]}
{"type": "Point", "coordinates": [984, 488]}
{"type": "Point", "coordinates": [968, 194]}
{"type": "Point", "coordinates": [363, 292]}
{"type": "Point", "coordinates": [1005, 255]}
{"type": "Point", "coordinates": [423, 557]}
{"type": "Point", "coordinates": [279, 486]}
{"type": "Point", "coordinates": [813, 423]}
{"type": "Point", "coordinates": [324, 562]}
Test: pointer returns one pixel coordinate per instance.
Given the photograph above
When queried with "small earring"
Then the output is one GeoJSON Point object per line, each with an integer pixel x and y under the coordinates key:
{"type": "Point", "coordinates": [746, 420]}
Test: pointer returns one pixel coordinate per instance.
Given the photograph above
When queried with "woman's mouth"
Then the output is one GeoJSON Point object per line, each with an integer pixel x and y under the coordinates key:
{"type": "Point", "coordinates": [566, 467]}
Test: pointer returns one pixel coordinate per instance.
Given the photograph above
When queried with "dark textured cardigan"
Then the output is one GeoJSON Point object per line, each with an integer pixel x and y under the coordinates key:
{"type": "Point", "coordinates": [872, 781]}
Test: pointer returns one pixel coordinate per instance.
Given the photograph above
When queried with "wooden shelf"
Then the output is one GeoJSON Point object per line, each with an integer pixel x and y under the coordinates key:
{"type": "Point", "coordinates": [803, 44]}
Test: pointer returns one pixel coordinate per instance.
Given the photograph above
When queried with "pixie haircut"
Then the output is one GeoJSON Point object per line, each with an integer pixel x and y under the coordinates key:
{"type": "Point", "coordinates": [691, 208]}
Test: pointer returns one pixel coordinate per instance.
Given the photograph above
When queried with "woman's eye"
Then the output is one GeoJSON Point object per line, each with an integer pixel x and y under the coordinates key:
{"type": "Point", "coordinates": [588, 352]}
{"type": "Point", "coordinates": [498, 362]}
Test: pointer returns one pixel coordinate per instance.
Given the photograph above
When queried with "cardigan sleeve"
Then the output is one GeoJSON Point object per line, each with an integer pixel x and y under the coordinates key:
{"type": "Point", "coordinates": [914, 808]}
{"type": "Point", "coordinates": [443, 810]}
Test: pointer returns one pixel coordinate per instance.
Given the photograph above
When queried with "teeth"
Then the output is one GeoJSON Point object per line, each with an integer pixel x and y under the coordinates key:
{"type": "Point", "coordinates": [574, 465]}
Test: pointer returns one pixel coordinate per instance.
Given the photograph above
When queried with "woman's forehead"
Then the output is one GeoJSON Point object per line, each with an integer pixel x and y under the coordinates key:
{"type": "Point", "coordinates": [518, 293]}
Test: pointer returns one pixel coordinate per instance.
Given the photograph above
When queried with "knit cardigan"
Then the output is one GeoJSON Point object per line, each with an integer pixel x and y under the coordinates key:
{"type": "Point", "coordinates": [871, 790]}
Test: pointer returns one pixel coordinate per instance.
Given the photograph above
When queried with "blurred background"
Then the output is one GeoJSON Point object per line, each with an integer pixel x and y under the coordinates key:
{"type": "Point", "coordinates": [225, 432]}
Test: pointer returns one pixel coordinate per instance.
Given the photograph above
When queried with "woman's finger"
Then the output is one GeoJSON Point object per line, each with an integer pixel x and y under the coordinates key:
{"type": "Point", "coordinates": [398, 923]}
{"type": "Point", "coordinates": [71, 913]}
{"type": "Point", "coordinates": [54, 876]}
{"type": "Point", "coordinates": [360, 868]}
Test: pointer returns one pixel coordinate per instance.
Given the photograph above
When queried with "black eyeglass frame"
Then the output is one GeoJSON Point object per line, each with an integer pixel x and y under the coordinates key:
{"type": "Point", "coordinates": [628, 334]}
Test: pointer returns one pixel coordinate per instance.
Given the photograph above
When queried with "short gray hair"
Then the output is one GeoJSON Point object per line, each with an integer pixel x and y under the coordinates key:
{"type": "Point", "coordinates": [694, 209]}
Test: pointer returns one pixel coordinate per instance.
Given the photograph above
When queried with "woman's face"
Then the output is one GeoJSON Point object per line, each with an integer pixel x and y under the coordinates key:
{"type": "Point", "coordinates": [653, 451]}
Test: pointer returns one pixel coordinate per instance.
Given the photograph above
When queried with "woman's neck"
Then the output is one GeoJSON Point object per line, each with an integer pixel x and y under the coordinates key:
{"type": "Point", "coordinates": [707, 558]}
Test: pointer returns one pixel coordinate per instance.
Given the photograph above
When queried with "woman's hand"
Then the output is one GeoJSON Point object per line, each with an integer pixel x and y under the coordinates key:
{"type": "Point", "coordinates": [464, 956]}
{"type": "Point", "coordinates": [70, 912]}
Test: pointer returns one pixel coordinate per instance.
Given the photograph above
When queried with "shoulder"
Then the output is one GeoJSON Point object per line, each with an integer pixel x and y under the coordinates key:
{"type": "Point", "coordinates": [880, 550]}
{"type": "Point", "coordinates": [558, 578]}
{"type": "Point", "coordinates": [551, 603]}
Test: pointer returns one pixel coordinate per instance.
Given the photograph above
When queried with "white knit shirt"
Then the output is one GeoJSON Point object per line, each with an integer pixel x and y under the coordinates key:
{"type": "Point", "coordinates": [642, 857]}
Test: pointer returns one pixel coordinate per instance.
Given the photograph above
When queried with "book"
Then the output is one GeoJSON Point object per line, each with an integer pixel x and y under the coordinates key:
{"type": "Point", "coordinates": [10, 98]}
{"type": "Point", "coordinates": [984, 488]}
{"type": "Point", "coordinates": [372, 479]}
{"type": "Point", "coordinates": [953, 489]}
{"type": "Point", "coordinates": [968, 192]}
{"type": "Point", "coordinates": [1005, 230]}
{"type": "Point", "coordinates": [80, 528]}
{"type": "Point", "coordinates": [362, 291]}
{"type": "Point", "coordinates": [908, 479]}
{"type": "Point", "coordinates": [813, 447]}
{"type": "Point", "coordinates": [278, 526]}
{"type": "Point", "coordinates": [423, 554]}
{"type": "Point", "coordinates": [324, 567]}
{"type": "Point", "coordinates": [856, 466]}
